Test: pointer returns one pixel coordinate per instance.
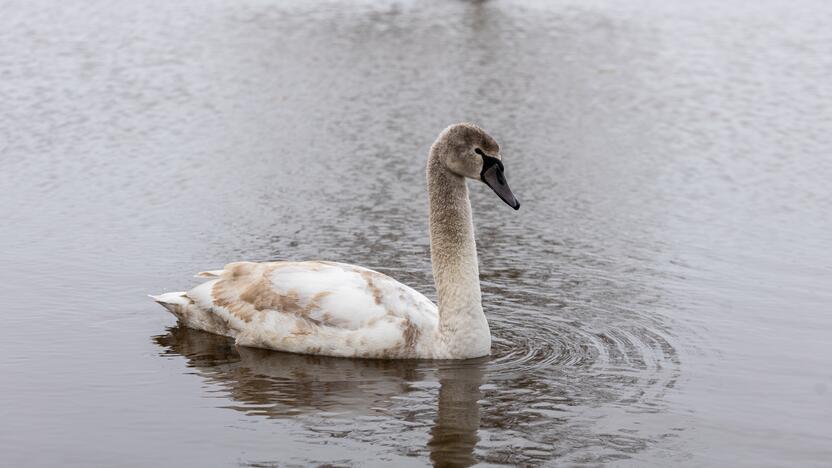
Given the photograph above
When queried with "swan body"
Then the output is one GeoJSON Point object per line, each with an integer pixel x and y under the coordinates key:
{"type": "Point", "coordinates": [336, 309]}
{"type": "Point", "coordinates": [312, 307]}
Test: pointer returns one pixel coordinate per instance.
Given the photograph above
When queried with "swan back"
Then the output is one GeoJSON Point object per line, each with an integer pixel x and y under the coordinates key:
{"type": "Point", "coordinates": [312, 307]}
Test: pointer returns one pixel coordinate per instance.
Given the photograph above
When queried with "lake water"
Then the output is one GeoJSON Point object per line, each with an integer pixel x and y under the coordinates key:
{"type": "Point", "coordinates": [662, 298]}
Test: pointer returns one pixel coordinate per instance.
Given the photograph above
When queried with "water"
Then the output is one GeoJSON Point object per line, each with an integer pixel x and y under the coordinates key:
{"type": "Point", "coordinates": [662, 297]}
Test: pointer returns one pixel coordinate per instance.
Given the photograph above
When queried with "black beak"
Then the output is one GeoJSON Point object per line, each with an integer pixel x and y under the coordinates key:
{"type": "Point", "coordinates": [492, 175]}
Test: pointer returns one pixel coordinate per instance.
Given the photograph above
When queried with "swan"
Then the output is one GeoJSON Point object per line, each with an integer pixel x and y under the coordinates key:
{"type": "Point", "coordinates": [336, 309]}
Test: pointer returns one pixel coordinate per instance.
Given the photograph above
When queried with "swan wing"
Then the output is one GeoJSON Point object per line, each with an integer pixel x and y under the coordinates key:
{"type": "Point", "coordinates": [312, 307]}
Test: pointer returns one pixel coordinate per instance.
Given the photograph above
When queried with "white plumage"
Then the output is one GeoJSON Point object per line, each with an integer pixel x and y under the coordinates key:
{"type": "Point", "coordinates": [325, 308]}
{"type": "Point", "coordinates": [335, 309]}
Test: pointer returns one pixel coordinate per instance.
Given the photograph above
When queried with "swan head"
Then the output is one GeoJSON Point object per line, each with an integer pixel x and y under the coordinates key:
{"type": "Point", "coordinates": [467, 151]}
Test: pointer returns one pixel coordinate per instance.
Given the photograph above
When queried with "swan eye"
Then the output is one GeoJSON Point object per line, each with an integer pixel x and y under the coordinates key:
{"type": "Point", "coordinates": [479, 152]}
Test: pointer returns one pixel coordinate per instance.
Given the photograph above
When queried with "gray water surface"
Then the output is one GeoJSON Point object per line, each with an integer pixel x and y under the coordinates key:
{"type": "Point", "coordinates": [662, 298]}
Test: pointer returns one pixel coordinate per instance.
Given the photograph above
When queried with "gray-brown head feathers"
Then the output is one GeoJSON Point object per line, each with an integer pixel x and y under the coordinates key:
{"type": "Point", "coordinates": [460, 148]}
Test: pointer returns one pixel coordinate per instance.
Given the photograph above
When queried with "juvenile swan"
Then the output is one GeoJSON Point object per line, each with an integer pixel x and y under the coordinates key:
{"type": "Point", "coordinates": [335, 309]}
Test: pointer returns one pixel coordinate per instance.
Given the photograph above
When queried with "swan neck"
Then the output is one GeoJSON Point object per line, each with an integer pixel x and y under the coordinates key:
{"type": "Point", "coordinates": [462, 323]}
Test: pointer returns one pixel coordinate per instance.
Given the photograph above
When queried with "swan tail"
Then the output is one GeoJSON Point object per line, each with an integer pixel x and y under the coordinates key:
{"type": "Point", "coordinates": [190, 314]}
{"type": "Point", "coordinates": [175, 302]}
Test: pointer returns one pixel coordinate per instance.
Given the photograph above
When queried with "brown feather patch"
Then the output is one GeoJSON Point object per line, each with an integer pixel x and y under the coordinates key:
{"type": "Point", "coordinates": [246, 290]}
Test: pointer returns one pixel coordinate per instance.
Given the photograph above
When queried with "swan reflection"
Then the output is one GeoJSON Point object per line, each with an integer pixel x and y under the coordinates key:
{"type": "Point", "coordinates": [281, 385]}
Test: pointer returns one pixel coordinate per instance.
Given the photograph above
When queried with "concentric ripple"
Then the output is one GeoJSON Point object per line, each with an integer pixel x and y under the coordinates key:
{"type": "Point", "coordinates": [527, 348]}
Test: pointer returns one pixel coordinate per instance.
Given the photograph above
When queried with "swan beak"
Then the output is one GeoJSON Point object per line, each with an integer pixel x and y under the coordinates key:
{"type": "Point", "coordinates": [492, 175]}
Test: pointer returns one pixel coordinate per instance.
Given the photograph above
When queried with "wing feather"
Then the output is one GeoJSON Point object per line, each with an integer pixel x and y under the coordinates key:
{"type": "Point", "coordinates": [313, 307]}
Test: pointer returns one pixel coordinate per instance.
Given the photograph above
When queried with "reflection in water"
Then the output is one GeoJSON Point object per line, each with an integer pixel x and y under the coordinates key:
{"type": "Point", "coordinates": [454, 436]}
{"type": "Point", "coordinates": [524, 415]}
{"type": "Point", "coordinates": [278, 385]}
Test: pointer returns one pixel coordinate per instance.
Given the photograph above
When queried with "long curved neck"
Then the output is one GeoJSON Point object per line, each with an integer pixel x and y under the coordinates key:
{"type": "Point", "coordinates": [453, 252]}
